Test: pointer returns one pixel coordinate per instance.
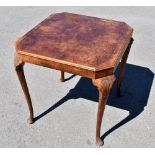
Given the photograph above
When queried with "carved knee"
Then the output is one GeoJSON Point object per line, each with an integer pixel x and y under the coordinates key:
{"type": "Point", "coordinates": [104, 84]}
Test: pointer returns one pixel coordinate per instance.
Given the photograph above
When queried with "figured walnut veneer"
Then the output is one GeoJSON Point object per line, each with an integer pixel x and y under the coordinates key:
{"type": "Point", "coordinates": [87, 44]}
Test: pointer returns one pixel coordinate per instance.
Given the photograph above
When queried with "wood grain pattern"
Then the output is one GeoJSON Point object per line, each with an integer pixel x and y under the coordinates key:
{"type": "Point", "coordinates": [86, 42]}
{"type": "Point", "coordinates": [78, 44]}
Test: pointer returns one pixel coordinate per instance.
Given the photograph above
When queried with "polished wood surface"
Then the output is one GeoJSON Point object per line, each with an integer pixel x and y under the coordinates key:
{"type": "Point", "coordinates": [78, 44]}
{"type": "Point", "coordinates": [90, 43]}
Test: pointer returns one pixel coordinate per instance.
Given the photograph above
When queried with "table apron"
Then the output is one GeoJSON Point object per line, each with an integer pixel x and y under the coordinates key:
{"type": "Point", "coordinates": [66, 68]}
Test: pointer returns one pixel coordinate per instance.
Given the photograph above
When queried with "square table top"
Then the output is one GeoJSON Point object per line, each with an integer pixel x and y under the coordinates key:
{"type": "Point", "coordinates": [77, 40]}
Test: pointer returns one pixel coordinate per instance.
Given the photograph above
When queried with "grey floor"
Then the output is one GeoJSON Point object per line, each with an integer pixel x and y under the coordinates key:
{"type": "Point", "coordinates": [128, 121]}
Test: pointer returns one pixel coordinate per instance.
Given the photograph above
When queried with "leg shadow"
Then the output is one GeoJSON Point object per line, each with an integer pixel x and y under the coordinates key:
{"type": "Point", "coordinates": [67, 79]}
{"type": "Point", "coordinates": [136, 86]}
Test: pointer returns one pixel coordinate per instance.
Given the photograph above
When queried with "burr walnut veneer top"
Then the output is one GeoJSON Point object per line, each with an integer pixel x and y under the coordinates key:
{"type": "Point", "coordinates": [86, 42]}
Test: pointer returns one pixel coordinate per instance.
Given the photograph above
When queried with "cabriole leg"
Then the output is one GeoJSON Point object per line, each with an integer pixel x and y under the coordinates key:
{"type": "Point", "coordinates": [104, 86]}
{"type": "Point", "coordinates": [20, 72]}
{"type": "Point", "coordinates": [122, 67]}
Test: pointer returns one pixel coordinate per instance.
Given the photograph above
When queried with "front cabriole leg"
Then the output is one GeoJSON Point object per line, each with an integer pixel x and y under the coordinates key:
{"type": "Point", "coordinates": [104, 86]}
{"type": "Point", "coordinates": [20, 72]}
